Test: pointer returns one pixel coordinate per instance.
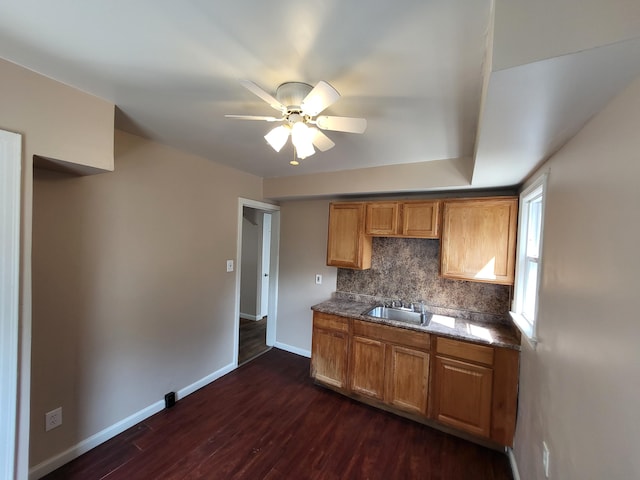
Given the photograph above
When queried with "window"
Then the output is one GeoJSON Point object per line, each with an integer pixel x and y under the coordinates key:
{"type": "Point", "coordinates": [528, 266]}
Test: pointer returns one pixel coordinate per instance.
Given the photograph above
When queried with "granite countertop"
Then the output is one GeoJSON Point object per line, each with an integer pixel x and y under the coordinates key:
{"type": "Point", "coordinates": [480, 328]}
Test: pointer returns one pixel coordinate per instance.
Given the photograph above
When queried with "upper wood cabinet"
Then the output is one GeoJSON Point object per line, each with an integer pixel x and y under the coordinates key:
{"type": "Point", "coordinates": [416, 219]}
{"type": "Point", "coordinates": [479, 239]}
{"type": "Point", "coordinates": [347, 244]}
{"type": "Point", "coordinates": [383, 218]}
{"type": "Point", "coordinates": [421, 219]}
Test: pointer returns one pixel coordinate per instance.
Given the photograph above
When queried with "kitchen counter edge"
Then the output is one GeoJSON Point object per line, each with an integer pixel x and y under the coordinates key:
{"type": "Point", "coordinates": [496, 335]}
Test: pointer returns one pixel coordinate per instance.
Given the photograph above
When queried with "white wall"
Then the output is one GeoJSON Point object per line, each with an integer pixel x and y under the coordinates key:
{"type": "Point", "coordinates": [303, 254]}
{"type": "Point", "coordinates": [131, 298]}
{"type": "Point", "coordinates": [580, 389]}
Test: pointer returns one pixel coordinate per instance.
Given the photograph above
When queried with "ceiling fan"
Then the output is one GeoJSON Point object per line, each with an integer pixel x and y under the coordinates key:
{"type": "Point", "coordinates": [300, 106]}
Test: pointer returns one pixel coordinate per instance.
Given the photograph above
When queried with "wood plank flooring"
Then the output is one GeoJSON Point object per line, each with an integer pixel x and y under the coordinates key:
{"type": "Point", "coordinates": [253, 339]}
{"type": "Point", "coordinates": [267, 420]}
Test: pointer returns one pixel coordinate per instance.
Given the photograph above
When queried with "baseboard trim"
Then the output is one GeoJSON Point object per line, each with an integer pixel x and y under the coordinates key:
{"type": "Point", "coordinates": [292, 349]}
{"type": "Point", "coordinates": [246, 316]}
{"type": "Point", "coordinates": [188, 390]}
{"type": "Point", "coordinates": [49, 465]}
{"type": "Point", "coordinates": [514, 464]}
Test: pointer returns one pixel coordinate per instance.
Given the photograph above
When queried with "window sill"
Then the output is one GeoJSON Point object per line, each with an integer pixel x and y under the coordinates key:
{"type": "Point", "coordinates": [524, 327]}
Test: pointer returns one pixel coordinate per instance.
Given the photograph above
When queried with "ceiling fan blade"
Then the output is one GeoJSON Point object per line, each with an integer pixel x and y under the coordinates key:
{"type": "Point", "coordinates": [254, 117]}
{"type": "Point", "coordinates": [341, 124]}
{"type": "Point", "coordinates": [319, 98]}
{"type": "Point", "coordinates": [321, 141]}
{"type": "Point", "coordinates": [256, 90]}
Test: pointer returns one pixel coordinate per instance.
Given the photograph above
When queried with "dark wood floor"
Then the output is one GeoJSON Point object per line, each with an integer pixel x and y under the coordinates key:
{"type": "Point", "coordinates": [253, 339]}
{"type": "Point", "coordinates": [267, 420]}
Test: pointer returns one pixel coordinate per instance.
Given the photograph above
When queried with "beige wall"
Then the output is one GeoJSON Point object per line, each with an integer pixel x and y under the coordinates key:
{"type": "Point", "coordinates": [55, 121]}
{"type": "Point", "coordinates": [391, 179]}
{"type": "Point", "coordinates": [131, 298]}
{"type": "Point", "coordinates": [303, 254]}
{"type": "Point", "coordinates": [579, 390]}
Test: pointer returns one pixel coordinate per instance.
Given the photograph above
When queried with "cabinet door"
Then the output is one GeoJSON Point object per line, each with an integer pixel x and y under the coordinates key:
{"type": "Point", "coordinates": [479, 240]}
{"type": "Point", "coordinates": [347, 245]}
{"type": "Point", "coordinates": [329, 357]}
{"type": "Point", "coordinates": [408, 379]}
{"type": "Point", "coordinates": [462, 395]}
{"type": "Point", "coordinates": [367, 367]}
{"type": "Point", "coordinates": [421, 219]}
{"type": "Point", "coordinates": [382, 218]}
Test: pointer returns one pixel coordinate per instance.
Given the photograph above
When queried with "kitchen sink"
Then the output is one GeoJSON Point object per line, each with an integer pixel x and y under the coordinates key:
{"type": "Point", "coordinates": [399, 315]}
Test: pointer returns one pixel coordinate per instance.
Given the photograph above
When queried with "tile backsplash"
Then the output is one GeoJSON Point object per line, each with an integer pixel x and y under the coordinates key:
{"type": "Point", "coordinates": [407, 269]}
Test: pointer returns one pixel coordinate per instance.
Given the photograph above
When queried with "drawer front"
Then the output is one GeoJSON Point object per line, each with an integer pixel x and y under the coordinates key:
{"type": "Point", "coordinates": [330, 322]}
{"type": "Point", "coordinates": [464, 350]}
{"type": "Point", "coordinates": [409, 338]}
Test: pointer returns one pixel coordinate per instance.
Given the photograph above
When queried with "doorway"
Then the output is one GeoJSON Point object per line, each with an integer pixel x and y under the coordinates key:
{"type": "Point", "coordinates": [256, 278]}
{"type": "Point", "coordinates": [10, 185]}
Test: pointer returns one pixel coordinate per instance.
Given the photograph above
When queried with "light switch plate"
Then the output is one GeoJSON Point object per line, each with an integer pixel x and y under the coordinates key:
{"type": "Point", "coordinates": [229, 265]}
{"type": "Point", "coordinates": [318, 279]}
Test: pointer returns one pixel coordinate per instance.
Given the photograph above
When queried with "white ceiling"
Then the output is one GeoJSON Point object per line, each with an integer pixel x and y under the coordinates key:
{"type": "Point", "coordinates": [417, 70]}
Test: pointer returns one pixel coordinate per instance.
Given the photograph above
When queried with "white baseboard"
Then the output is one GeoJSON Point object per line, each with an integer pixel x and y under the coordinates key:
{"type": "Point", "coordinates": [246, 316]}
{"type": "Point", "coordinates": [188, 390]}
{"type": "Point", "coordinates": [291, 349]}
{"type": "Point", "coordinates": [514, 465]}
{"type": "Point", "coordinates": [102, 436]}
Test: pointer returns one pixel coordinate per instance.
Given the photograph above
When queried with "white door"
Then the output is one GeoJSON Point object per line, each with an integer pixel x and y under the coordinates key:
{"type": "Point", "coordinates": [10, 165]}
{"type": "Point", "coordinates": [265, 265]}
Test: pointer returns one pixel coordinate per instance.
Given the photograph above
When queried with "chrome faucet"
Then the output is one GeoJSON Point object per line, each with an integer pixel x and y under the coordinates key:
{"type": "Point", "coordinates": [423, 313]}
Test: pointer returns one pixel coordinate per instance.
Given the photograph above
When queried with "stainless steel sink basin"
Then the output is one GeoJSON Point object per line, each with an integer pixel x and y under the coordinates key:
{"type": "Point", "coordinates": [399, 315]}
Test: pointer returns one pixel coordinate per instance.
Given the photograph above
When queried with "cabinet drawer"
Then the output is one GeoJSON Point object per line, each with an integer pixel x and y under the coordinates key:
{"type": "Point", "coordinates": [465, 350]}
{"type": "Point", "coordinates": [330, 322]}
{"type": "Point", "coordinates": [409, 338]}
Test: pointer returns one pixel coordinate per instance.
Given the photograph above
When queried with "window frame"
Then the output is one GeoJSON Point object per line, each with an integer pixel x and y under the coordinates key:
{"type": "Point", "coordinates": [537, 189]}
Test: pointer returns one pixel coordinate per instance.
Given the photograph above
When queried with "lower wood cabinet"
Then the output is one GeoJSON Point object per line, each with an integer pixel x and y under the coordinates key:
{"type": "Point", "coordinates": [408, 379]}
{"type": "Point", "coordinates": [329, 347]}
{"type": "Point", "coordinates": [367, 370]}
{"type": "Point", "coordinates": [462, 395]}
{"type": "Point", "coordinates": [390, 365]}
{"type": "Point", "coordinates": [466, 386]}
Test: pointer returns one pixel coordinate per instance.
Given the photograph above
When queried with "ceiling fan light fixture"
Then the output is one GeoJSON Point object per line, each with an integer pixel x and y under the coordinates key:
{"type": "Point", "coordinates": [300, 105]}
{"type": "Point", "coordinates": [305, 150]}
{"type": "Point", "coordinates": [278, 137]}
{"type": "Point", "coordinates": [302, 138]}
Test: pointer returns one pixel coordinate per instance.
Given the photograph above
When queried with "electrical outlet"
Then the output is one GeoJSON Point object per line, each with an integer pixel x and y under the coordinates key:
{"type": "Point", "coordinates": [53, 419]}
{"type": "Point", "coordinates": [229, 265]}
{"type": "Point", "coordinates": [545, 459]}
{"type": "Point", "coordinates": [318, 279]}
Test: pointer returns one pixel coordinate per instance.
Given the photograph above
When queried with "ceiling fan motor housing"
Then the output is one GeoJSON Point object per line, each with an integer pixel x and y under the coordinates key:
{"type": "Point", "coordinates": [291, 95]}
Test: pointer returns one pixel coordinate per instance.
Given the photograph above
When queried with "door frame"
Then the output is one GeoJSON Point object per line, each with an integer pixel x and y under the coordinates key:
{"type": "Point", "coordinates": [272, 318]}
{"type": "Point", "coordinates": [262, 292]}
{"type": "Point", "coordinates": [10, 188]}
